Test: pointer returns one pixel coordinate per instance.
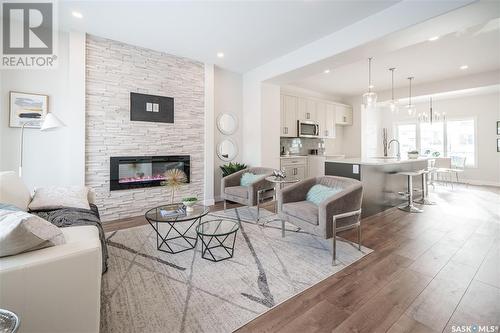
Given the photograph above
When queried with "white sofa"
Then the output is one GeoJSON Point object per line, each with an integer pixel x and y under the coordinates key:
{"type": "Point", "coordinates": [56, 289]}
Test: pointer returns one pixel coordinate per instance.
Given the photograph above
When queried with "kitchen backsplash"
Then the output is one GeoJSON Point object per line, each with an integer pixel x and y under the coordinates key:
{"type": "Point", "coordinates": [301, 146]}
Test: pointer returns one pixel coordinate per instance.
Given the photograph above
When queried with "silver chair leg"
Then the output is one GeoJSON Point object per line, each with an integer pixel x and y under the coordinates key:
{"type": "Point", "coordinates": [258, 205]}
{"type": "Point", "coordinates": [359, 237]}
{"type": "Point", "coordinates": [224, 205]}
{"type": "Point", "coordinates": [334, 252]}
{"type": "Point", "coordinates": [334, 241]}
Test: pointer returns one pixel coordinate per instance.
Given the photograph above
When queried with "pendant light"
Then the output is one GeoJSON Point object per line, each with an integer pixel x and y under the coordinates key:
{"type": "Point", "coordinates": [393, 104]}
{"type": "Point", "coordinates": [431, 116]}
{"type": "Point", "coordinates": [410, 107]}
{"type": "Point", "coordinates": [369, 98]}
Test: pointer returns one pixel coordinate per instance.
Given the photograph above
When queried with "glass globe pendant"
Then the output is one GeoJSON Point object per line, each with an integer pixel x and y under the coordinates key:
{"type": "Point", "coordinates": [410, 107]}
{"type": "Point", "coordinates": [370, 97]}
{"type": "Point", "coordinates": [393, 104]}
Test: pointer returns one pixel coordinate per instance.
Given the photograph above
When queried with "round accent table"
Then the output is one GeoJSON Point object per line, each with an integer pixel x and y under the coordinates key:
{"type": "Point", "coordinates": [175, 238]}
{"type": "Point", "coordinates": [9, 321]}
{"type": "Point", "coordinates": [217, 239]}
{"type": "Point", "coordinates": [279, 183]}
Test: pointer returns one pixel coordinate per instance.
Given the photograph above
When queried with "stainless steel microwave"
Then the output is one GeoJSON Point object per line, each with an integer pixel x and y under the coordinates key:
{"type": "Point", "coordinates": [307, 129]}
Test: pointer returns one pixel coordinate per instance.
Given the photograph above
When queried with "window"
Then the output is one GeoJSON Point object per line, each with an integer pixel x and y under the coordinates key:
{"type": "Point", "coordinates": [453, 138]}
{"type": "Point", "coordinates": [461, 141]}
{"type": "Point", "coordinates": [407, 137]}
{"type": "Point", "coordinates": [432, 138]}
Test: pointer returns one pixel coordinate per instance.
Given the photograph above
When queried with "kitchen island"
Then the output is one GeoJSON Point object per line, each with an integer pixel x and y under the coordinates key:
{"type": "Point", "coordinates": [381, 183]}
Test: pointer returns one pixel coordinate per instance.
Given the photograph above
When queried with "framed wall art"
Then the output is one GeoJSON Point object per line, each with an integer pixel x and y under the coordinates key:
{"type": "Point", "coordinates": [27, 109]}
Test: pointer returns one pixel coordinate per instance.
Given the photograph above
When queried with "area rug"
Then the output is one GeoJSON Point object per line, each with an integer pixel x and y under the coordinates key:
{"type": "Point", "coordinates": [146, 290]}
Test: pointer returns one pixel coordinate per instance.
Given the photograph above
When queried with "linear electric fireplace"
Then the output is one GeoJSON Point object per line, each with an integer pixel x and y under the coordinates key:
{"type": "Point", "coordinates": [144, 171]}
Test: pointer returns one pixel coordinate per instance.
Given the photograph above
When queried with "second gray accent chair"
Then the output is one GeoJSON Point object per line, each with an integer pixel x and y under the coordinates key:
{"type": "Point", "coordinates": [339, 212]}
{"type": "Point", "coordinates": [231, 190]}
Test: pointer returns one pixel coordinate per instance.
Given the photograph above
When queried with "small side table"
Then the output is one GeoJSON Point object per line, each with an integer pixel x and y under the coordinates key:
{"type": "Point", "coordinates": [279, 183]}
{"type": "Point", "coordinates": [9, 321]}
{"type": "Point", "coordinates": [222, 233]}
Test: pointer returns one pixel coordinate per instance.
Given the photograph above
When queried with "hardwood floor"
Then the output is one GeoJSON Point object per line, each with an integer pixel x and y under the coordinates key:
{"type": "Point", "coordinates": [428, 272]}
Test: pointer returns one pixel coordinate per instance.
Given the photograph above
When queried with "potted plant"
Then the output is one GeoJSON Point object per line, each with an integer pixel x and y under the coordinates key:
{"type": "Point", "coordinates": [231, 167]}
{"type": "Point", "coordinates": [189, 202]}
{"type": "Point", "coordinates": [174, 178]}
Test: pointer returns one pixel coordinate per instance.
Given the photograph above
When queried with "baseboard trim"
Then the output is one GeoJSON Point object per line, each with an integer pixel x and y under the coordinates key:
{"type": "Point", "coordinates": [479, 182]}
{"type": "Point", "coordinates": [208, 202]}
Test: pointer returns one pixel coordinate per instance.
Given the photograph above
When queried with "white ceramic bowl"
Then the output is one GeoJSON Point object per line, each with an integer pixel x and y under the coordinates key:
{"type": "Point", "coordinates": [413, 156]}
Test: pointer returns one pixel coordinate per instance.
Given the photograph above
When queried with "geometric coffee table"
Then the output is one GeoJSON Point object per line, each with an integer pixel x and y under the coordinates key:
{"type": "Point", "coordinates": [174, 234]}
{"type": "Point", "coordinates": [217, 239]}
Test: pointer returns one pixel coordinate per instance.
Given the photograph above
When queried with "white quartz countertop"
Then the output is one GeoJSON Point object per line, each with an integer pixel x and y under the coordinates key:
{"type": "Point", "coordinates": [320, 156]}
{"type": "Point", "coordinates": [376, 161]}
{"type": "Point", "coordinates": [293, 156]}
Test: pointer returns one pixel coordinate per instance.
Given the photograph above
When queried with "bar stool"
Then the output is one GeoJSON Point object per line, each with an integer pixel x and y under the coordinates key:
{"type": "Point", "coordinates": [424, 200]}
{"type": "Point", "coordinates": [409, 206]}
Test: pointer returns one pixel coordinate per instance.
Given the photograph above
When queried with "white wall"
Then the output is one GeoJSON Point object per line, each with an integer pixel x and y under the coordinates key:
{"type": "Point", "coordinates": [228, 97]}
{"type": "Point", "coordinates": [55, 157]}
{"type": "Point", "coordinates": [367, 30]}
{"type": "Point", "coordinates": [352, 139]}
{"type": "Point", "coordinates": [485, 109]}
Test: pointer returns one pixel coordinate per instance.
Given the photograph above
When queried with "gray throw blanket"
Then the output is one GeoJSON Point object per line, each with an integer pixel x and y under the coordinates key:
{"type": "Point", "coordinates": [69, 217]}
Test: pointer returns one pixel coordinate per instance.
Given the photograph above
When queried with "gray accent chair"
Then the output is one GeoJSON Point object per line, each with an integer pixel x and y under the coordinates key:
{"type": "Point", "coordinates": [251, 195]}
{"type": "Point", "coordinates": [340, 212]}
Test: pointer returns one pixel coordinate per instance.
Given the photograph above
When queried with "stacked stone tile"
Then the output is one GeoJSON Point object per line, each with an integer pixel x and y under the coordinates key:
{"type": "Point", "coordinates": [114, 70]}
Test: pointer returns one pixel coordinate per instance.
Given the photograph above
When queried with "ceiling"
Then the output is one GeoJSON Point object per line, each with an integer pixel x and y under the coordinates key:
{"type": "Point", "coordinates": [250, 33]}
{"type": "Point", "coordinates": [477, 47]}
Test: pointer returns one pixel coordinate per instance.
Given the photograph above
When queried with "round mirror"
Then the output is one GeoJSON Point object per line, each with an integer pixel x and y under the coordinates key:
{"type": "Point", "coordinates": [227, 123]}
{"type": "Point", "coordinates": [227, 150]}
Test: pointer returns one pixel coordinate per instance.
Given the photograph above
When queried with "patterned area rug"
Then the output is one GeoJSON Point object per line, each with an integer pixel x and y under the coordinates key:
{"type": "Point", "coordinates": [146, 290]}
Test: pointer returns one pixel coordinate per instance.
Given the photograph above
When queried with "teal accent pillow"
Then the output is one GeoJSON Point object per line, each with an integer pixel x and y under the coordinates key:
{"type": "Point", "coordinates": [13, 208]}
{"type": "Point", "coordinates": [318, 193]}
{"type": "Point", "coordinates": [249, 178]}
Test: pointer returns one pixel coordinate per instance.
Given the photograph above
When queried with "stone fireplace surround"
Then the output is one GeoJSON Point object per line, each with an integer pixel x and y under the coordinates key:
{"type": "Point", "coordinates": [113, 70]}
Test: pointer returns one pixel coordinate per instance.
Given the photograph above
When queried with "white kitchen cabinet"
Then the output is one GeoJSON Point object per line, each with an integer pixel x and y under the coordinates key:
{"type": "Point", "coordinates": [295, 172]}
{"type": "Point", "coordinates": [306, 109]}
{"type": "Point", "coordinates": [316, 166]}
{"type": "Point", "coordinates": [294, 167]}
{"type": "Point", "coordinates": [288, 118]}
{"type": "Point", "coordinates": [343, 114]}
{"type": "Point", "coordinates": [325, 114]}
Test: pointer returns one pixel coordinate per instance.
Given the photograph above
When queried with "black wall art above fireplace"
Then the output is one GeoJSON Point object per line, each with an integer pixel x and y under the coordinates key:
{"type": "Point", "coordinates": [144, 171]}
{"type": "Point", "coordinates": [151, 108]}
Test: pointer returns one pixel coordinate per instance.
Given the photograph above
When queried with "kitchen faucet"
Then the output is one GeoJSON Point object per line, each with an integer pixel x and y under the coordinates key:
{"type": "Point", "coordinates": [399, 147]}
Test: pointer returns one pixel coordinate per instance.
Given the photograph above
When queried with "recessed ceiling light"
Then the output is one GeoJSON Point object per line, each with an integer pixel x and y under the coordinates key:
{"type": "Point", "coordinates": [433, 38]}
{"type": "Point", "coordinates": [463, 67]}
{"type": "Point", "coordinates": [220, 54]}
{"type": "Point", "coordinates": [77, 14]}
{"type": "Point", "coordinates": [326, 71]}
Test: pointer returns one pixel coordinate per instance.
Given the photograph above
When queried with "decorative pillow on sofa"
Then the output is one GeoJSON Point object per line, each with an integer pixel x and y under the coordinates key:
{"type": "Point", "coordinates": [5, 206]}
{"type": "Point", "coordinates": [319, 193]}
{"type": "Point", "coordinates": [249, 178]}
{"type": "Point", "coordinates": [22, 232]}
{"type": "Point", "coordinates": [47, 198]}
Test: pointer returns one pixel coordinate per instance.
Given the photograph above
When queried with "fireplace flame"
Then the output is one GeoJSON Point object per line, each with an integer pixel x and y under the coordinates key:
{"type": "Point", "coordinates": [141, 179]}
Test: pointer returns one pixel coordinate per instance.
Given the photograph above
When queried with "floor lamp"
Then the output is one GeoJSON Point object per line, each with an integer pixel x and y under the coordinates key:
{"type": "Point", "coordinates": [48, 123]}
